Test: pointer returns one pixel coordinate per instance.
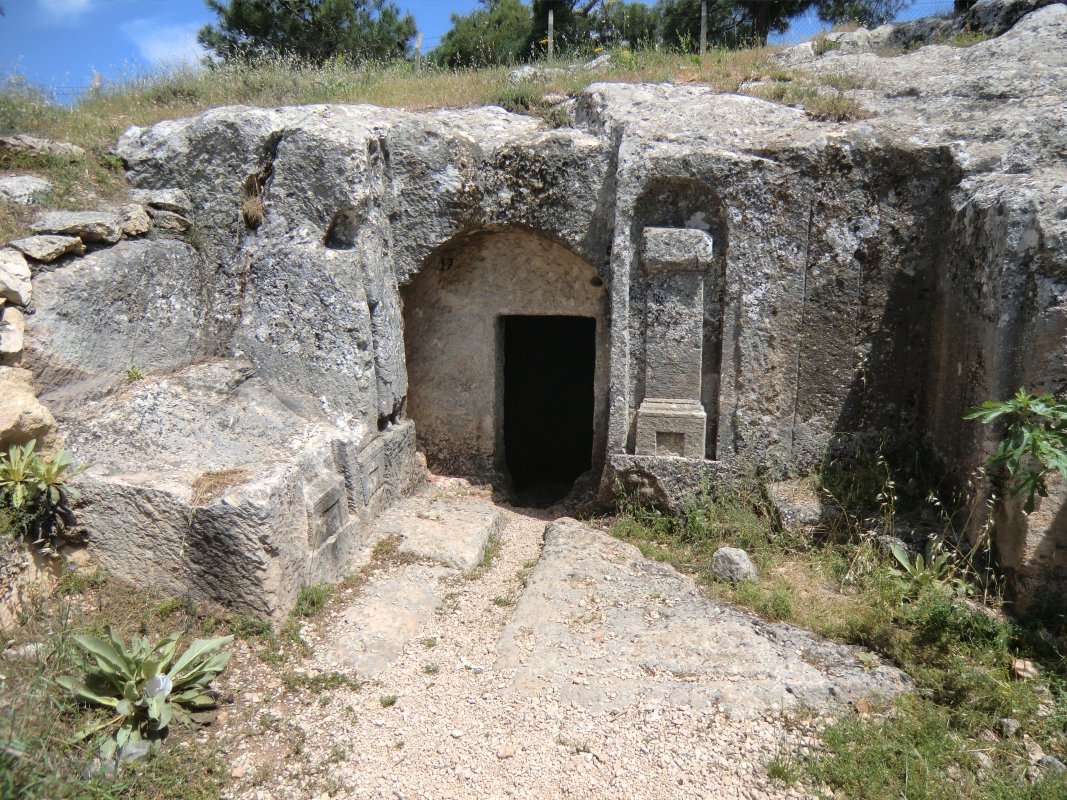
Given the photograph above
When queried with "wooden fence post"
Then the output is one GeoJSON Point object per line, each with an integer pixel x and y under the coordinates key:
{"type": "Point", "coordinates": [551, 32]}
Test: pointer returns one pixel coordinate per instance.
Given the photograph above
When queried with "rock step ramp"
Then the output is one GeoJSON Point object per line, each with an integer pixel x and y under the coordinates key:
{"type": "Point", "coordinates": [593, 621]}
{"type": "Point", "coordinates": [567, 666]}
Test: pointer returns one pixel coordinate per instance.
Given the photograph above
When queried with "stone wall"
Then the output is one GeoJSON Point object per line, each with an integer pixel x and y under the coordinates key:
{"type": "Point", "coordinates": [837, 281]}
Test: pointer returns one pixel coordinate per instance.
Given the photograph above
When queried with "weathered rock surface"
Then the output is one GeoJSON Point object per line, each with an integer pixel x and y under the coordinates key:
{"type": "Point", "coordinates": [23, 189]}
{"type": "Point", "coordinates": [91, 226]}
{"type": "Point", "coordinates": [733, 564]}
{"type": "Point", "coordinates": [989, 17]}
{"type": "Point", "coordinates": [34, 146]}
{"type": "Point", "coordinates": [174, 200]}
{"type": "Point", "coordinates": [211, 484]}
{"type": "Point", "coordinates": [12, 335]}
{"type": "Point", "coordinates": [135, 220]}
{"type": "Point", "coordinates": [15, 283]}
{"type": "Point", "coordinates": [22, 416]}
{"type": "Point", "coordinates": [168, 220]}
{"type": "Point", "coordinates": [373, 632]}
{"type": "Point", "coordinates": [452, 531]}
{"type": "Point", "coordinates": [607, 628]}
{"type": "Point", "coordinates": [48, 248]}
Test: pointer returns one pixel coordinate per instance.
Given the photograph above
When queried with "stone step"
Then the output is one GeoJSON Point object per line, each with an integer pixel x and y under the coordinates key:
{"type": "Point", "coordinates": [601, 626]}
{"type": "Point", "coordinates": [452, 531]}
{"type": "Point", "coordinates": [371, 634]}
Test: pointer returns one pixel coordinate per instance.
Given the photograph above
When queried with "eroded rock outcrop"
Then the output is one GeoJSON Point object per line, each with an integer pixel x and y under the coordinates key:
{"type": "Point", "coordinates": [853, 279]}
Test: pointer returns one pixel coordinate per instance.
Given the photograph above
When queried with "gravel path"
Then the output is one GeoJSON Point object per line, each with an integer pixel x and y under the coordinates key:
{"type": "Point", "coordinates": [439, 722]}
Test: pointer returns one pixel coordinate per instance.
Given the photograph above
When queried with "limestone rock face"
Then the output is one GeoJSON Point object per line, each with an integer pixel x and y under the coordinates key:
{"type": "Point", "coordinates": [91, 226]}
{"type": "Point", "coordinates": [174, 200]}
{"type": "Point", "coordinates": [48, 248]}
{"type": "Point", "coordinates": [12, 335]}
{"type": "Point", "coordinates": [849, 280]}
{"type": "Point", "coordinates": [15, 286]}
{"type": "Point", "coordinates": [22, 416]}
{"type": "Point", "coordinates": [135, 221]}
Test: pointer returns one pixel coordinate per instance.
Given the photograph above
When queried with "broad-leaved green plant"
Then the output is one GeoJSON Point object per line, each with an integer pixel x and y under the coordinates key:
{"type": "Point", "coordinates": [37, 492]}
{"type": "Point", "coordinates": [145, 687]}
{"type": "Point", "coordinates": [1034, 444]}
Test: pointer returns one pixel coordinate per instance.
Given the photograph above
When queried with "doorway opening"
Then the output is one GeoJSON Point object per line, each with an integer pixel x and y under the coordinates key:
{"type": "Point", "coordinates": [549, 364]}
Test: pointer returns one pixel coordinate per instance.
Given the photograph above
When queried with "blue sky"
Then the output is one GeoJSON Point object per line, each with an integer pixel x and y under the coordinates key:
{"type": "Point", "coordinates": [59, 44]}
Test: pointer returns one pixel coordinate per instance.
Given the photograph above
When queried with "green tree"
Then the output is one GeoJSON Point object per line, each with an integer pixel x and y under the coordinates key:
{"type": "Point", "coordinates": [495, 34]}
{"type": "Point", "coordinates": [635, 23]}
{"type": "Point", "coordinates": [765, 17]}
{"type": "Point", "coordinates": [680, 23]}
{"type": "Point", "coordinates": [316, 30]}
{"type": "Point", "coordinates": [574, 24]}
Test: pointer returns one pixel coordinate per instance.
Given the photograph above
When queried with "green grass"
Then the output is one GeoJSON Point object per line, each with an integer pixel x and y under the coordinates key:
{"type": "Point", "coordinates": [968, 37]}
{"type": "Point", "coordinates": [311, 599]}
{"type": "Point", "coordinates": [323, 682]}
{"type": "Point", "coordinates": [840, 586]}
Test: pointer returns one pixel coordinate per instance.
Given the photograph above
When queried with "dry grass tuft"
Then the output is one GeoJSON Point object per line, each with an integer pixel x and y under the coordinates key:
{"type": "Point", "coordinates": [210, 486]}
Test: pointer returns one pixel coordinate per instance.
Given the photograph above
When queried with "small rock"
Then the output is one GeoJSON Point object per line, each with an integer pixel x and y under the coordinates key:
{"type": "Point", "coordinates": [30, 650]}
{"type": "Point", "coordinates": [1024, 669]}
{"type": "Point", "coordinates": [733, 564]}
{"type": "Point", "coordinates": [1008, 727]}
{"type": "Point", "coordinates": [530, 73]}
{"type": "Point", "coordinates": [48, 248]}
{"type": "Point", "coordinates": [166, 199]}
{"type": "Point", "coordinates": [12, 333]}
{"type": "Point", "coordinates": [600, 62]}
{"type": "Point", "coordinates": [238, 772]}
{"type": "Point", "coordinates": [168, 220]}
{"type": "Point", "coordinates": [505, 751]}
{"type": "Point", "coordinates": [1051, 763]}
{"type": "Point", "coordinates": [457, 734]}
{"type": "Point", "coordinates": [984, 761]}
{"type": "Point", "coordinates": [23, 189]}
{"type": "Point", "coordinates": [798, 505]}
{"type": "Point", "coordinates": [91, 226]}
{"type": "Point", "coordinates": [31, 145]}
{"type": "Point", "coordinates": [15, 276]}
{"type": "Point", "coordinates": [135, 222]}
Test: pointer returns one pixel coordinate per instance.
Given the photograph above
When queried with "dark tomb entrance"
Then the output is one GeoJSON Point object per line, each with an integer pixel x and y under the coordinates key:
{"type": "Point", "coordinates": [548, 403]}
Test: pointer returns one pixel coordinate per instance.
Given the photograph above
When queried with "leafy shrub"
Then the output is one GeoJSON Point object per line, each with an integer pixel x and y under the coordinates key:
{"type": "Point", "coordinates": [1034, 444]}
{"type": "Point", "coordinates": [145, 688]}
{"type": "Point", "coordinates": [35, 491]}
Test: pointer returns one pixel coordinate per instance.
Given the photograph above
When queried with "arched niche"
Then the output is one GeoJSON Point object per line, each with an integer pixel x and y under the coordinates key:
{"type": "Point", "coordinates": [501, 328]}
{"type": "Point", "coordinates": [682, 203]}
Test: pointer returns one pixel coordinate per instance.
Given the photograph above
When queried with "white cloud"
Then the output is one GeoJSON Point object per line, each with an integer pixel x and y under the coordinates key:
{"type": "Point", "coordinates": [63, 7]}
{"type": "Point", "coordinates": [64, 10]}
{"type": "Point", "coordinates": [160, 43]}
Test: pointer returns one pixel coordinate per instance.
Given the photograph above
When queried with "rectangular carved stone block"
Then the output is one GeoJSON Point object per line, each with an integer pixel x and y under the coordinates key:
{"type": "Point", "coordinates": [671, 428]}
{"type": "Point", "coordinates": [676, 250]}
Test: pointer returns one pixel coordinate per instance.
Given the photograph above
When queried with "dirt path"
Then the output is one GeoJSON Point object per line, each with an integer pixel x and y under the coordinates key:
{"type": "Point", "coordinates": [437, 720]}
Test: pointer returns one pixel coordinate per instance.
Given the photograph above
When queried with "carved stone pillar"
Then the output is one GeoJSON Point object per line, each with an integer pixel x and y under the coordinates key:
{"type": "Point", "coordinates": [671, 420]}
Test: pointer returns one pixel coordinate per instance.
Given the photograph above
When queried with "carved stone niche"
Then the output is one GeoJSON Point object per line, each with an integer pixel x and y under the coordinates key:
{"type": "Point", "coordinates": [671, 420]}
